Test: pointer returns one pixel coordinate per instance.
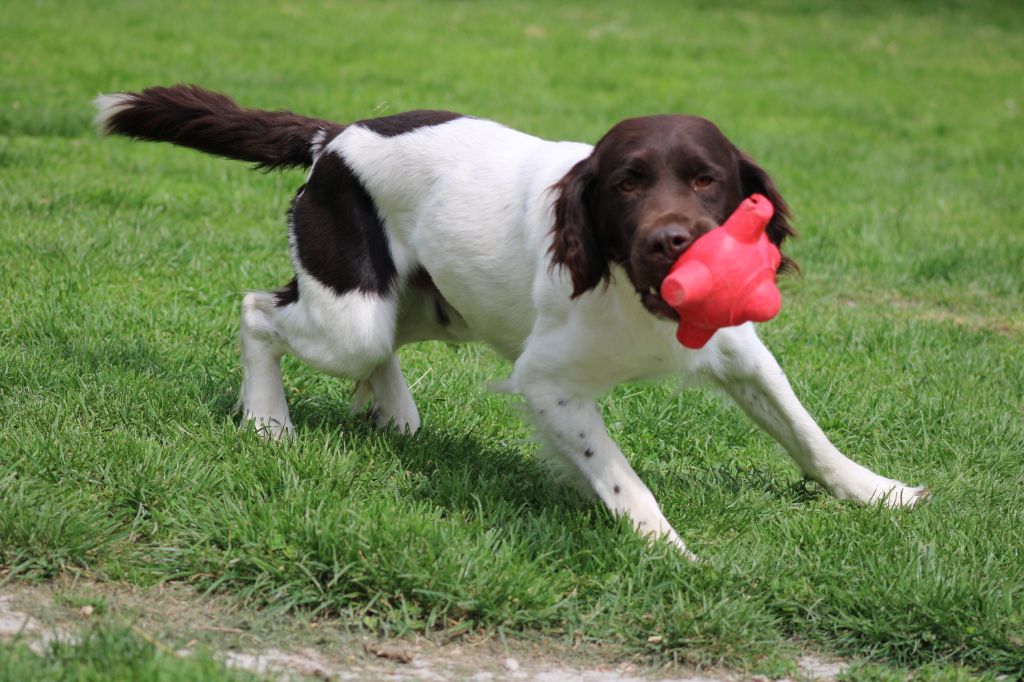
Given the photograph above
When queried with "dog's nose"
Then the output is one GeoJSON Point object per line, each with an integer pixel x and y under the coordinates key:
{"type": "Point", "coordinates": [668, 242]}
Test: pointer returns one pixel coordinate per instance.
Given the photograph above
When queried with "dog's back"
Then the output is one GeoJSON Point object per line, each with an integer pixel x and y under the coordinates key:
{"type": "Point", "coordinates": [468, 202]}
{"type": "Point", "coordinates": [432, 177]}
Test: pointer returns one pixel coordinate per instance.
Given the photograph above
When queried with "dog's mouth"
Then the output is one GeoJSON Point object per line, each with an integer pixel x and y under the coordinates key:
{"type": "Point", "coordinates": [646, 275]}
{"type": "Point", "coordinates": [647, 282]}
{"type": "Point", "coordinates": [656, 305]}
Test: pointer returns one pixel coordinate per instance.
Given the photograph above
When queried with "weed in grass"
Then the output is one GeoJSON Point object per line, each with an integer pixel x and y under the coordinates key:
{"type": "Point", "coordinates": [85, 603]}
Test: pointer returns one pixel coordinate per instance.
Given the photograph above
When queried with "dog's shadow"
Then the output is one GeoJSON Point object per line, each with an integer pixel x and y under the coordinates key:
{"type": "Point", "coordinates": [459, 471]}
{"type": "Point", "coordinates": [733, 480]}
{"type": "Point", "coordinates": [466, 472]}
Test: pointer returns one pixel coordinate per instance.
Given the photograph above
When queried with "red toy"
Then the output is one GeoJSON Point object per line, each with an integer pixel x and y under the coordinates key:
{"type": "Point", "coordinates": [727, 277]}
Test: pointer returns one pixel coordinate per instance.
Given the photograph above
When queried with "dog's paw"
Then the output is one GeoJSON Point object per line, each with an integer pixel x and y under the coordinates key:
{"type": "Point", "coordinates": [269, 427]}
{"type": "Point", "coordinates": [405, 421]}
{"type": "Point", "coordinates": [399, 412]}
{"type": "Point", "coordinates": [687, 554]}
{"type": "Point", "coordinates": [871, 489]}
{"type": "Point", "coordinates": [668, 534]}
{"type": "Point", "coordinates": [896, 495]}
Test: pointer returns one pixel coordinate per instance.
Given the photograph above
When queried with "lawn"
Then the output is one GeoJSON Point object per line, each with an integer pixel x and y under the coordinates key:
{"type": "Point", "coordinates": [893, 129]}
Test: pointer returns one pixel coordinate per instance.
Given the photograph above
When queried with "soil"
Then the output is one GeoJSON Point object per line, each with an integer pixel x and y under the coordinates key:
{"type": "Point", "coordinates": [178, 620]}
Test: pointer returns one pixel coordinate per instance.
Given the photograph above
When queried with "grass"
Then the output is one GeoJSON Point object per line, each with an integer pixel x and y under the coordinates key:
{"type": "Point", "coordinates": [106, 653]}
{"type": "Point", "coordinates": [893, 130]}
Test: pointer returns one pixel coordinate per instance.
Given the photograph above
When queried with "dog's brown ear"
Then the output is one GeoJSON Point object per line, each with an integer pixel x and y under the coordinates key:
{"type": "Point", "coordinates": [756, 179]}
{"type": "Point", "coordinates": [576, 245]}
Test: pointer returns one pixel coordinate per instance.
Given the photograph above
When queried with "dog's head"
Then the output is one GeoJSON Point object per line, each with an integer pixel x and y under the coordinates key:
{"type": "Point", "coordinates": [650, 188]}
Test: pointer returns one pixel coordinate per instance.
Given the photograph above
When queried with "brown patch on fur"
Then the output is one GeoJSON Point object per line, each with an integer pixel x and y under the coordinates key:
{"type": "Point", "coordinates": [407, 122]}
{"type": "Point", "coordinates": [339, 237]}
{"type": "Point", "coordinates": [287, 294]}
{"type": "Point", "coordinates": [651, 187]}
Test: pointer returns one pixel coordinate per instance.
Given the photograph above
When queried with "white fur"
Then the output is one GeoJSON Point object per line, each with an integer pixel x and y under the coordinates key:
{"type": "Point", "coordinates": [107, 106]}
{"type": "Point", "coordinates": [344, 336]}
{"type": "Point", "coordinates": [470, 202]}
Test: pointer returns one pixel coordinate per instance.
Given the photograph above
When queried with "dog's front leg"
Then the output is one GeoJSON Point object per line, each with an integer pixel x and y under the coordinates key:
{"type": "Point", "coordinates": [572, 425]}
{"type": "Point", "coordinates": [749, 373]}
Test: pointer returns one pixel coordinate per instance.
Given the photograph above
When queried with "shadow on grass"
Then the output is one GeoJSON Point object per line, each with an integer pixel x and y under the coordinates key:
{"type": "Point", "coordinates": [479, 472]}
{"type": "Point", "coordinates": [461, 472]}
{"type": "Point", "coordinates": [732, 480]}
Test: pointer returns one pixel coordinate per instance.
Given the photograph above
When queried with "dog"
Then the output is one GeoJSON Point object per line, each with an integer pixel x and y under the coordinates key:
{"type": "Point", "coordinates": [434, 225]}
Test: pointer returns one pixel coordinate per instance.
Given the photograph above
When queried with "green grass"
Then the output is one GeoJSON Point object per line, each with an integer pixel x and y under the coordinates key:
{"type": "Point", "coordinates": [109, 653]}
{"type": "Point", "coordinates": [894, 131]}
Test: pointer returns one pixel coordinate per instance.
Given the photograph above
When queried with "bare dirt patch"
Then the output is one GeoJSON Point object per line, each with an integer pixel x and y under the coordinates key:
{"type": "Point", "coordinates": [970, 312]}
{"type": "Point", "coordinates": [178, 620]}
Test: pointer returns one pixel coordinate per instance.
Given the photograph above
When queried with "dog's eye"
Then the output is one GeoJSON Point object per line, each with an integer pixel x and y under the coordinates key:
{"type": "Point", "coordinates": [703, 182]}
{"type": "Point", "coordinates": [628, 186]}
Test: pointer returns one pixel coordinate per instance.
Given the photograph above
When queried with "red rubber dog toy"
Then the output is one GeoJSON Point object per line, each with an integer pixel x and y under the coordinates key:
{"type": "Point", "coordinates": [727, 277]}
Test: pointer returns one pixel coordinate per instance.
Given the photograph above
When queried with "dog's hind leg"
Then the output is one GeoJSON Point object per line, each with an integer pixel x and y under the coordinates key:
{"type": "Point", "coordinates": [423, 314]}
{"type": "Point", "coordinates": [262, 394]}
{"type": "Point", "coordinates": [388, 397]}
{"type": "Point", "coordinates": [348, 335]}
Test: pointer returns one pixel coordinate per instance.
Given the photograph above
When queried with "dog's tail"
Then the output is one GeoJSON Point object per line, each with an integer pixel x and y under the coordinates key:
{"type": "Point", "coordinates": [190, 116]}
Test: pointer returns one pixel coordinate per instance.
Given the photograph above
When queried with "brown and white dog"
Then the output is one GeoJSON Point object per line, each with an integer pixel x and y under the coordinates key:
{"type": "Point", "coordinates": [434, 225]}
